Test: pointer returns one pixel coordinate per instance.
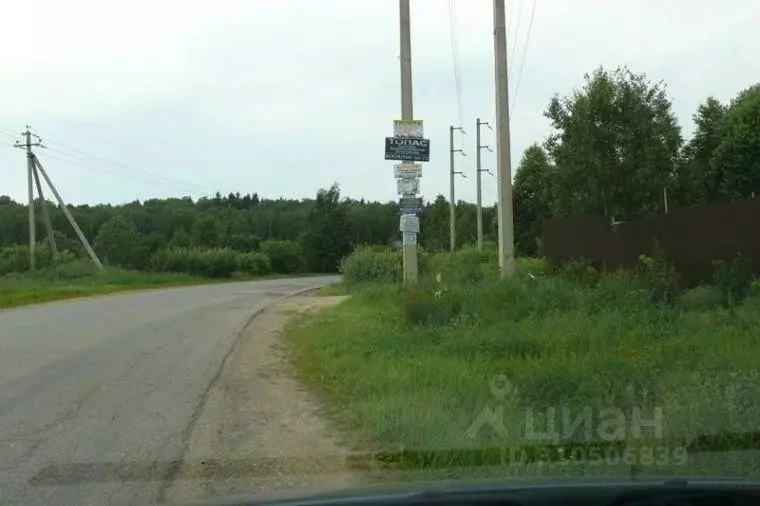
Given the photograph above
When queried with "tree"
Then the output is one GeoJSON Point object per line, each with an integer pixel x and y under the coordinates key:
{"type": "Point", "coordinates": [327, 238]}
{"type": "Point", "coordinates": [616, 145]}
{"type": "Point", "coordinates": [532, 198]}
{"type": "Point", "coordinates": [434, 226]}
{"type": "Point", "coordinates": [117, 240]}
{"type": "Point", "coordinates": [736, 160]}
{"type": "Point", "coordinates": [697, 182]}
{"type": "Point", "coordinates": [205, 232]}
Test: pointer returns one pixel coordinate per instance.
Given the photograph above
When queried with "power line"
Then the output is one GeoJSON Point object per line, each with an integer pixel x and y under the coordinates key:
{"type": "Point", "coordinates": [517, 33]}
{"type": "Point", "coordinates": [67, 158]}
{"type": "Point", "coordinates": [127, 167]}
{"type": "Point", "coordinates": [453, 26]}
{"type": "Point", "coordinates": [525, 52]}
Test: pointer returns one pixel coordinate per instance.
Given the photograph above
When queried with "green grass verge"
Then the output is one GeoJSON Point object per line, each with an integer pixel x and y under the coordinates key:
{"type": "Point", "coordinates": [81, 279]}
{"type": "Point", "coordinates": [412, 375]}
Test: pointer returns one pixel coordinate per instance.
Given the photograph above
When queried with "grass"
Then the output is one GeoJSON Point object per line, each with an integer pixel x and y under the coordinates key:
{"type": "Point", "coordinates": [413, 374]}
{"type": "Point", "coordinates": [81, 279]}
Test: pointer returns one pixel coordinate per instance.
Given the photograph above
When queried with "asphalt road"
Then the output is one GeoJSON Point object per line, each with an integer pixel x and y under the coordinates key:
{"type": "Point", "coordinates": [98, 395]}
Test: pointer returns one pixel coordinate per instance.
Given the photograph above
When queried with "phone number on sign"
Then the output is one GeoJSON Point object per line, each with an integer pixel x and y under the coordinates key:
{"type": "Point", "coordinates": [598, 455]}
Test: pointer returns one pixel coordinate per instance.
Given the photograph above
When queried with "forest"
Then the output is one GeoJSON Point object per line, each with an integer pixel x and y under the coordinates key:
{"type": "Point", "coordinates": [616, 149]}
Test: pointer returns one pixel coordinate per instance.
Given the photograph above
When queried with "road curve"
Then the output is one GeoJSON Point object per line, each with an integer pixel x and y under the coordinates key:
{"type": "Point", "coordinates": [91, 388]}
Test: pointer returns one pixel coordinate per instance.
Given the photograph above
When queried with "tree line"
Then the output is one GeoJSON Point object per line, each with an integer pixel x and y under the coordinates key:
{"type": "Point", "coordinates": [615, 150]}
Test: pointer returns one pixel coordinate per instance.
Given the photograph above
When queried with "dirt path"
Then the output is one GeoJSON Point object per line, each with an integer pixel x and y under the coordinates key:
{"type": "Point", "coordinates": [260, 430]}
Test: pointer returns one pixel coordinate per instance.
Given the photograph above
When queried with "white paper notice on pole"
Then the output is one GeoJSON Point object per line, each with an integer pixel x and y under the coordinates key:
{"type": "Point", "coordinates": [408, 186]}
{"type": "Point", "coordinates": [407, 128]}
{"type": "Point", "coordinates": [409, 239]}
{"type": "Point", "coordinates": [409, 223]}
{"type": "Point", "coordinates": [407, 170]}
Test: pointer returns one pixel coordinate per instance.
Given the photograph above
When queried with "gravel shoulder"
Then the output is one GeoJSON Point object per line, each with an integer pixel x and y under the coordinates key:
{"type": "Point", "coordinates": [259, 430]}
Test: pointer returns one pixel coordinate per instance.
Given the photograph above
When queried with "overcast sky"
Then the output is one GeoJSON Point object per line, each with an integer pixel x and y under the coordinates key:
{"type": "Point", "coordinates": [284, 97]}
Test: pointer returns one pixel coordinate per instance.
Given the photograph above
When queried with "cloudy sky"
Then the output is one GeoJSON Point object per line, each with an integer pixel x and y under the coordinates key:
{"type": "Point", "coordinates": [152, 98]}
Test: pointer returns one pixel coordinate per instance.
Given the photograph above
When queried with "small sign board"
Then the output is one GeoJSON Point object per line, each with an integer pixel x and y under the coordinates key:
{"type": "Point", "coordinates": [407, 186]}
{"type": "Point", "coordinates": [407, 128]}
{"type": "Point", "coordinates": [407, 149]}
{"type": "Point", "coordinates": [409, 239]}
{"type": "Point", "coordinates": [409, 223]}
{"type": "Point", "coordinates": [407, 170]}
{"type": "Point", "coordinates": [410, 205]}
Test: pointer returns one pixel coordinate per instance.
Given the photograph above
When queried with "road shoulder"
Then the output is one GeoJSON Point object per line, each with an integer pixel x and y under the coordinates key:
{"type": "Point", "coordinates": [260, 430]}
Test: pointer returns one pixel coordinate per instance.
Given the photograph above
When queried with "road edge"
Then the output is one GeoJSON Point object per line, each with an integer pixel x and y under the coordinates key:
{"type": "Point", "coordinates": [175, 465]}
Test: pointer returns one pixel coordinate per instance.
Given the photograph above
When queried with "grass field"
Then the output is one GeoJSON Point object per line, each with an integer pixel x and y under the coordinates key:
{"type": "Point", "coordinates": [446, 377]}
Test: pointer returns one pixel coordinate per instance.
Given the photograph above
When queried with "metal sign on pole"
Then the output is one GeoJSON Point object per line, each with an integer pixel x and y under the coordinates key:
{"type": "Point", "coordinates": [407, 128]}
{"type": "Point", "coordinates": [409, 223]}
{"type": "Point", "coordinates": [407, 170]}
{"type": "Point", "coordinates": [407, 186]}
{"type": "Point", "coordinates": [410, 205]}
{"type": "Point", "coordinates": [408, 149]}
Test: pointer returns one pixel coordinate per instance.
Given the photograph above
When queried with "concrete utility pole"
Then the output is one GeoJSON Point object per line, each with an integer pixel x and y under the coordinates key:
{"type": "Point", "coordinates": [407, 113]}
{"type": "Point", "coordinates": [504, 167]}
{"type": "Point", "coordinates": [30, 169]}
{"type": "Point", "coordinates": [452, 202]}
{"type": "Point", "coordinates": [478, 171]}
{"type": "Point", "coordinates": [34, 168]}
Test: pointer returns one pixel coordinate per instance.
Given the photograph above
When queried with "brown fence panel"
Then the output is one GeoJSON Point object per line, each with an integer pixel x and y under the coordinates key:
{"type": "Point", "coordinates": [692, 238]}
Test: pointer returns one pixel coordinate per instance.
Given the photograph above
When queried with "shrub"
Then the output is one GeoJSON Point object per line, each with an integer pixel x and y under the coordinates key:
{"type": "Point", "coordinates": [243, 243]}
{"type": "Point", "coordinates": [253, 263]}
{"type": "Point", "coordinates": [701, 298]}
{"type": "Point", "coordinates": [14, 259]}
{"type": "Point", "coordinates": [369, 265]}
{"type": "Point", "coordinates": [72, 270]}
{"type": "Point", "coordinates": [214, 263]}
{"type": "Point", "coordinates": [620, 289]}
{"type": "Point", "coordinates": [733, 279]}
{"type": "Point", "coordinates": [580, 271]}
{"type": "Point", "coordinates": [431, 305]}
{"type": "Point", "coordinates": [659, 276]}
{"type": "Point", "coordinates": [286, 257]}
{"type": "Point", "coordinates": [467, 265]}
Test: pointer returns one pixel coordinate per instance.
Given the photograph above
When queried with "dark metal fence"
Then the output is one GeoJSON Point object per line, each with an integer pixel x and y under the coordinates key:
{"type": "Point", "coordinates": [692, 238]}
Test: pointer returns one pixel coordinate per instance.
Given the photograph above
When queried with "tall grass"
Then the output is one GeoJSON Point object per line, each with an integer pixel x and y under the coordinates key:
{"type": "Point", "coordinates": [412, 371]}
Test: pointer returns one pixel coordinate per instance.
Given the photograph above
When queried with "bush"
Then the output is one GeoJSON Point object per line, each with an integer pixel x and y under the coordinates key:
{"type": "Point", "coordinates": [620, 289]}
{"type": "Point", "coordinates": [580, 271]}
{"type": "Point", "coordinates": [286, 257]}
{"type": "Point", "coordinates": [14, 259]}
{"type": "Point", "coordinates": [72, 270]}
{"type": "Point", "coordinates": [432, 305]}
{"type": "Point", "coordinates": [253, 264]}
{"type": "Point", "coordinates": [243, 243]}
{"type": "Point", "coordinates": [213, 263]}
{"type": "Point", "coordinates": [370, 265]}
{"type": "Point", "coordinates": [659, 276]}
{"type": "Point", "coordinates": [467, 265]}
{"type": "Point", "coordinates": [733, 279]}
{"type": "Point", "coordinates": [701, 298]}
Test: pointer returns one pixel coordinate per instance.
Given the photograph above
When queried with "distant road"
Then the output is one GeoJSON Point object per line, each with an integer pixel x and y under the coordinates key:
{"type": "Point", "coordinates": [88, 384]}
